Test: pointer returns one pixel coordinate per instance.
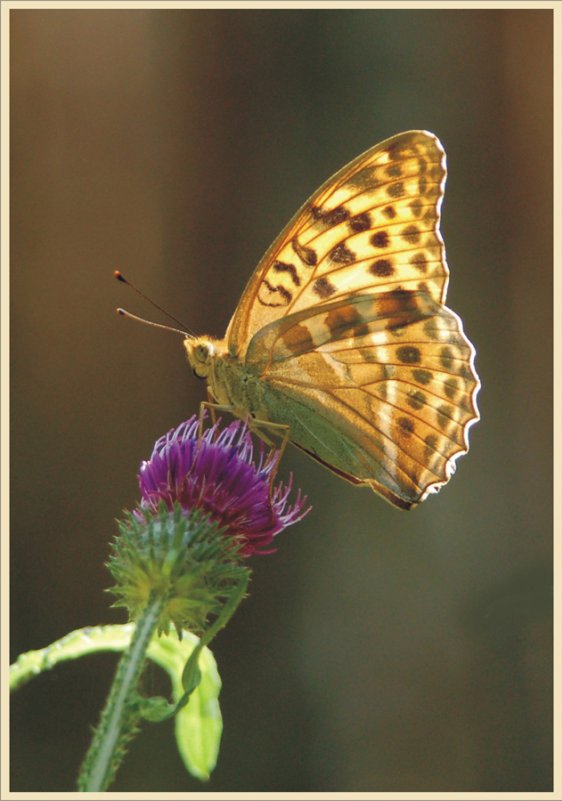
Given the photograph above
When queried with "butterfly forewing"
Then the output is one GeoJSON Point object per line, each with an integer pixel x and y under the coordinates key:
{"type": "Point", "coordinates": [372, 227]}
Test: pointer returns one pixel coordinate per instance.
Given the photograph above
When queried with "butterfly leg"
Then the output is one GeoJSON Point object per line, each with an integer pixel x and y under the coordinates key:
{"type": "Point", "coordinates": [213, 408]}
{"type": "Point", "coordinates": [281, 430]}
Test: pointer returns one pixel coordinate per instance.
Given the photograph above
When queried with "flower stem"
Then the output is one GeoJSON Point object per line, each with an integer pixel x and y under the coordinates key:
{"type": "Point", "coordinates": [190, 676]}
{"type": "Point", "coordinates": [119, 719]}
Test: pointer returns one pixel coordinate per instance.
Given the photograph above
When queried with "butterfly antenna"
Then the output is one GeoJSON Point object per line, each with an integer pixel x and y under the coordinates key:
{"type": "Point", "coordinates": [120, 277]}
{"type": "Point", "coordinates": [125, 313]}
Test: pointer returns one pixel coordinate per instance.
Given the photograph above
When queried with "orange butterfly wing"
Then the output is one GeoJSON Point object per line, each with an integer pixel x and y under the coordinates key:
{"type": "Point", "coordinates": [344, 326]}
{"type": "Point", "coordinates": [371, 227]}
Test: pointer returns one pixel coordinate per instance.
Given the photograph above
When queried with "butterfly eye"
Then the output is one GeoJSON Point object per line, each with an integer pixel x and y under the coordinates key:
{"type": "Point", "coordinates": [202, 353]}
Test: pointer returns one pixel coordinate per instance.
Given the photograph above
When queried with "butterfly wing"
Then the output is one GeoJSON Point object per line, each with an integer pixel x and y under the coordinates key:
{"type": "Point", "coordinates": [344, 328]}
{"type": "Point", "coordinates": [379, 388]}
{"type": "Point", "coordinates": [372, 227]}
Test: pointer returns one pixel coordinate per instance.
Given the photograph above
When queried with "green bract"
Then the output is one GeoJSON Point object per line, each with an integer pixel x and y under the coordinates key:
{"type": "Point", "coordinates": [184, 557]}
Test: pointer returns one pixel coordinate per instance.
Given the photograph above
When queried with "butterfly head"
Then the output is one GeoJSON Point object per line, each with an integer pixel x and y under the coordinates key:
{"type": "Point", "coordinates": [201, 352]}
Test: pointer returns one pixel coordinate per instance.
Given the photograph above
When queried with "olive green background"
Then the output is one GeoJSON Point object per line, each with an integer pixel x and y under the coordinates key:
{"type": "Point", "coordinates": [379, 650]}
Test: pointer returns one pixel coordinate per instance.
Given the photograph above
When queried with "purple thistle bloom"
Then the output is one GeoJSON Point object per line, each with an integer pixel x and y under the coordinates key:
{"type": "Point", "coordinates": [215, 473]}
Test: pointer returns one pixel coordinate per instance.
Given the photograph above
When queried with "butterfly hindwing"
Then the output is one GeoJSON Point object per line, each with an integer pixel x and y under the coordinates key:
{"type": "Point", "coordinates": [388, 407]}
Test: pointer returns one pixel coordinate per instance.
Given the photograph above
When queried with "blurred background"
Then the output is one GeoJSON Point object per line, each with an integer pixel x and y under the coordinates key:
{"type": "Point", "coordinates": [379, 650]}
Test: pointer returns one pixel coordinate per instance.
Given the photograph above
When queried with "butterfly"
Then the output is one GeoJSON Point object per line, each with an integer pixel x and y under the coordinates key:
{"type": "Point", "coordinates": [342, 337]}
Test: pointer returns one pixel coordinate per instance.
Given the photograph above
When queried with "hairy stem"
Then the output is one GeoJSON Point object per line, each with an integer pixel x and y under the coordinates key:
{"type": "Point", "coordinates": [119, 718]}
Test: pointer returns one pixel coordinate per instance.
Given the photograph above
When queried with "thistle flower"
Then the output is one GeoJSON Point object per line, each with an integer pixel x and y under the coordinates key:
{"type": "Point", "coordinates": [206, 505]}
{"type": "Point", "coordinates": [216, 473]}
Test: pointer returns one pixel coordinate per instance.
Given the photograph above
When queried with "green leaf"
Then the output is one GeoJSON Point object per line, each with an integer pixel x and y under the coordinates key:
{"type": "Point", "coordinates": [198, 724]}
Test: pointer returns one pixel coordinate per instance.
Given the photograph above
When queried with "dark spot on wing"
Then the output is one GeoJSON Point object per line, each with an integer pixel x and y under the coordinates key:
{"type": "Point", "coordinates": [298, 339]}
{"type": "Point", "coordinates": [416, 206]}
{"type": "Point", "coordinates": [419, 261]}
{"type": "Point", "coordinates": [431, 443]}
{"type": "Point", "coordinates": [396, 189]}
{"type": "Point", "coordinates": [380, 239]}
{"type": "Point", "coordinates": [430, 329]}
{"type": "Point", "coordinates": [447, 357]}
{"type": "Point", "coordinates": [346, 322]}
{"type": "Point", "coordinates": [406, 425]}
{"type": "Point", "coordinates": [330, 217]}
{"type": "Point", "coordinates": [341, 254]}
{"type": "Point", "coordinates": [422, 376]}
{"type": "Point", "coordinates": [361, 222]}
{"type": "Point", "coordinates": [323, 288]}
{"type": "Point", "coordinates": [416, 399]}
{"type": "Point", "coordinates": [444, 416]}
{"type": "Point", "coordinates": [394, 171]}
{"type": "Point", "coordinates": [408, 354]}
{"type": "Point", "coordinates": [411, 234]}
{"type": "Point", "coordinates": [365, 178]}
{"type": "Point", "coordinates": [382, 268]}
{"type": "Point", "coordinates": [451, 388]}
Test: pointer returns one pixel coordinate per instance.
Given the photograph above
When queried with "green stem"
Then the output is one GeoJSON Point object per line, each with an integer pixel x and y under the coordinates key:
{"type": "Point", "coordinates": [119, 719]}
{"type": "Point", "coordinates": [191, 676]}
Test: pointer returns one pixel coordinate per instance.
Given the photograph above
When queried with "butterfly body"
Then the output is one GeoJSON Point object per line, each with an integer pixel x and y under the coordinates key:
{"type": "Point", "coordinates": [231, 383]}
{"type": "Point", "coordinates": [342, 334]}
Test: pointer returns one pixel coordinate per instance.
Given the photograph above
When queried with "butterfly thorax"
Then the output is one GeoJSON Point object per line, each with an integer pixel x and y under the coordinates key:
{"type": "Point", "coordinates": [230, 382]}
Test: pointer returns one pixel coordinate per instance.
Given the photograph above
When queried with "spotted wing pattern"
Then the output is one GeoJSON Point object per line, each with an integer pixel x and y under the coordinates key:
{"type": "Point", "coordinates": [393, 374]}
{"type": "Point", "coordinates": [344, 320]}
{"type": "Point", "coordinates": [373, 227]}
